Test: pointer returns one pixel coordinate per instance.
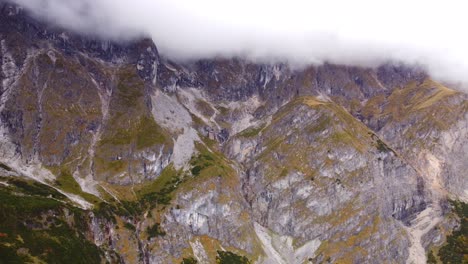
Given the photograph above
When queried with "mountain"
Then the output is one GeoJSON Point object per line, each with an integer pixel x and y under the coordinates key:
{"type": "Point", "coordinates": [111, 152]}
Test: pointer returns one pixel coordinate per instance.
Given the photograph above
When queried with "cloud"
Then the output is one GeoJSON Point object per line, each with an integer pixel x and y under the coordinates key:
{"type": "Point", "coordinates": [428, 33]}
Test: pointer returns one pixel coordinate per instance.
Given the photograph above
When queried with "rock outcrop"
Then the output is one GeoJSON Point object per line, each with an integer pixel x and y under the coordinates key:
{"type": "Point", "coordinates": [150, 161]}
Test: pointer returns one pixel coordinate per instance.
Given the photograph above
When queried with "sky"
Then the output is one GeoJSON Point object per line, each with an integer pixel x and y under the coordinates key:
{"type": "Point", "coordinates": [427, 33]}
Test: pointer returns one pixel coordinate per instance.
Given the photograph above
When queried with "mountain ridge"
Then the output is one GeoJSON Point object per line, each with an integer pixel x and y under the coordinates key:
{"type": "Point", "coordinates": [327, 163]}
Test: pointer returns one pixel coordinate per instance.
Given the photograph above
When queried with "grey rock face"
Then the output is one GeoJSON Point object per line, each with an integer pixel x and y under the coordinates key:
{"type": "Point", "coordinates": [327, 163]}
{"type": "Point", "coordinates": [297, 188]}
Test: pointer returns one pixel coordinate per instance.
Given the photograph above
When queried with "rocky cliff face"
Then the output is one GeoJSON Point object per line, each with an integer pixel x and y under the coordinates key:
{"type": "Point", "coordinates": [164, 162]}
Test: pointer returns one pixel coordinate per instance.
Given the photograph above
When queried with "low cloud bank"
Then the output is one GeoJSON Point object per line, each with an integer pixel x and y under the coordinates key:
{"type": "Point", "coordinates": [429, 33]}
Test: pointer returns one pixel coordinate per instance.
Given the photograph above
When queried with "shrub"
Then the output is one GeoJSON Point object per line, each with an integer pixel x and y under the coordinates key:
{"type": "Point", "coordinates": [155, 231]}
{"type": "Point", "coordinates": [189, 260]}
{"type": "Point", "coordinates": [130, 227]}
{"type": "Point", "coordinates": [226, 257]}
{"type": "Point", "coordinates": [431, 259]}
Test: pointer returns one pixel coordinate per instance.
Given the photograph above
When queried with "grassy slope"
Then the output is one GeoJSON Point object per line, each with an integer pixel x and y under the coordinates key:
{"type": "Point", "coordinates": [38, 225]}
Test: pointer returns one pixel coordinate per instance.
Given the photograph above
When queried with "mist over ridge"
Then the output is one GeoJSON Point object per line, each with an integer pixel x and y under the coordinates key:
{"type": "Point", "coordinates": [426, 34]}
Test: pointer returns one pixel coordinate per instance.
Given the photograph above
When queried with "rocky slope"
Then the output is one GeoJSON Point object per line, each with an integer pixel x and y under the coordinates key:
{"type": "Point", "coordinates": [145, 160]}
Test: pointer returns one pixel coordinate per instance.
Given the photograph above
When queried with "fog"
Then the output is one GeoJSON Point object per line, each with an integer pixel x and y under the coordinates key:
{"type": "Point", "coordinates": [430, 34]}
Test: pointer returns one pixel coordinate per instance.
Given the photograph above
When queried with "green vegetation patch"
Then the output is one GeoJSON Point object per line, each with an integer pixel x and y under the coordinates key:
{"type": "Point", "coordinates": [163, 188]}
{"type": "Point", "coordinates": [149, 196]}
{"type": "Point", "coordinates": [155, 231]}
{"type": "Point", "coordinates": [130, 227]}
{"type": "Point", "coordinates": [227, 257]}
{"type": "Point", "coordinates": [5, 167]}
{"type": "Point", "coordinates": [34, 188]}
{"type": "Point", "coordinates": [113, 166]}
{"type": "Point", "coordinates": [208, 163]}
{"type": "Point", "coordinates": [129, 88]}
{"type": "Point", "coordinates": [379, 144]}
{"type": "Point", "coordinates": [456, 248]}
{"type": "Point", "coordinates": [250, 132]}
{"type": "Point", "coordinates": [144, 133]}
{"type": "Point", "coordinates": [382, 147]}
{"type": "Point", "coordinates": [189, 260]}
{"type": "Point", "coordinates": [149, 133]}
{"type": "Point", "coordinates": [106, 211]}
{"type": "Point", "coordinates": [35, 229]}
{"type": "Point", "coordinates": [431, 259]}
{"type": "Point", "coordinates": [164, 179]}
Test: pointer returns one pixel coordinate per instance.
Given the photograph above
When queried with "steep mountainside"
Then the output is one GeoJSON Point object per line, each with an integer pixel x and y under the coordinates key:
{"type": "Point", "coordinates": [110, 152]}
